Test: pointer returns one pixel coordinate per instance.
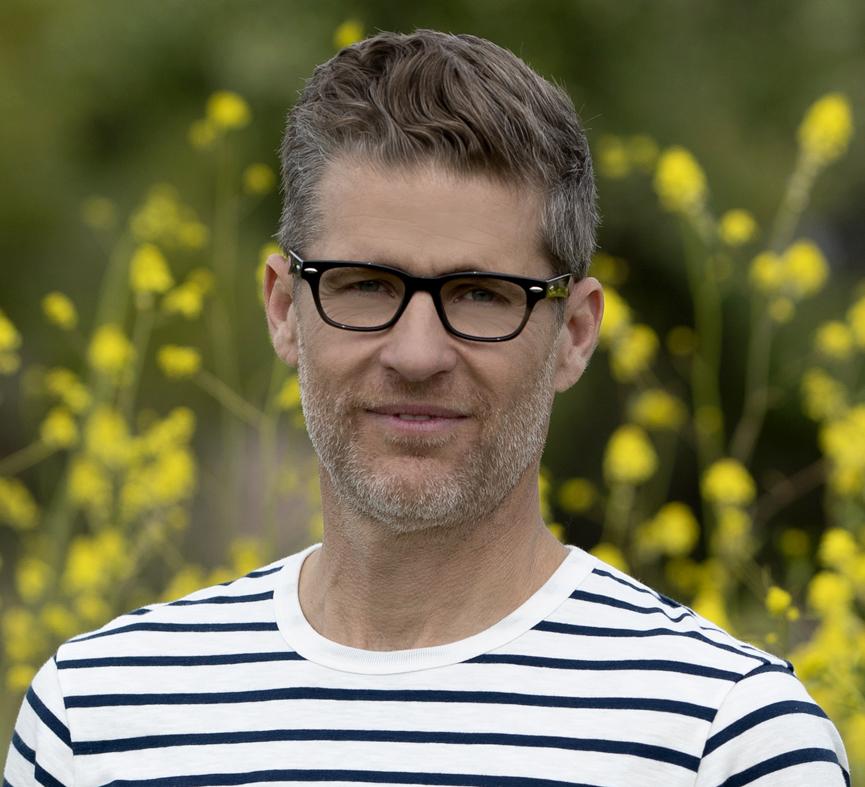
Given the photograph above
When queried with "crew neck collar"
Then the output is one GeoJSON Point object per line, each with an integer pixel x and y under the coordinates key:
{"type": "Point", "coordinates": [303, 638]}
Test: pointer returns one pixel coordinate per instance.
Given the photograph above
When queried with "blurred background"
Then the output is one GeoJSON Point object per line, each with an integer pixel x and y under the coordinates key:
{"type": "Point", "coordinates": [144, 136]}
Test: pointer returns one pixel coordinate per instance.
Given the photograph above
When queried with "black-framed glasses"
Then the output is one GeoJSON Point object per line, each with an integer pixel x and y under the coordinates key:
{"type": "Point", "coordinates": [476, 305]}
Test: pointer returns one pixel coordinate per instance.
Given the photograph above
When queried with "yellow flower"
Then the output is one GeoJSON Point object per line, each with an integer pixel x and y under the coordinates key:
{"type": "Point", "coordinates": [22, 639]}
{"type": "Point", "coordinates": [110, 352]}
{"type": "Point", "coordinates": [59, 429]}
{"type": "Point", "coordinates": [106, 437]}
{"type": "Point", "coordinates": [159, 216]}
{"type": "Point", "coordinates": [98, 213]}
{"type": "Point", "coordinates": [843, 439]}
{"type": "Point", "coordinates": [617, 316]}
{"type": "Point", "coordinates": [289, 396]}
{"type": "Point", "coordinates": [186, 299]}
{"type": "Point", "coordinates": [732, 538]}
{"type": "Point", "coordinates": [727, 482]}
{"type": "Point", "coordinates": [709, 604]}
{"type": "Point", "coordinates": [19, 677]}
{"type": "Point", "coordinates": [227, 110]}
{"type": "Point", "coordinates": [188, 579]}
{"type": "Point", "coordinates": [657, 409]}
{"type": "Point", "coordinates": [823, 396]}
{"type": "Point", "coordinates": [682, 341]}
{"type": "Point", "coordinates": [633, 353]}
{"type": "Point", "coordinates": [778, 601]}
{"type": "Point", "coordinates": [202, 134]}
{"type": "Point", "coordinates": [10, 340]}
{"type": "Point", "coordinates": [737, 227]}
{"type": "Point", "coordinates": [609, 270]}
{"type": "Point", "coordinates": [92, 608]}
{"type": "Point", "coordinates": [176, 361]}
{"type": "Point", "coordinates": [59, 310]}
{"type": "Point", "coordinates": [767, 272]}
{"type": "Point", "coordinates": [247, 554]}
{"type": "Point", "coordinates": [672, 531]}
{"type": "Point", "coordinates": [17, 506]}
{"type": "Point", "coordinates": [855, 318]}
{"type": "Point", "coordinates": [834, 339]}
{"type": "Point", "coordinates": [148, 270]}
{"type": "Point", "coordinates": [201, 278]}
{"type": "Point", "coordinates": [838, 548]}
{"type": "Point", "coordinates": [32, 577]}
{"type": "Point", "coordinates": [168, 479]}
{"type": "Point", "coordinates": [629, 457]}
{"type": "Point", "coordinates": [59, 621]}
{"type": "Point", "coordinates": [679, 181]}
{"type": "Point", "coordinates": [613, 161]}
{"type": "Point", "coordinates": [89, 485]}
{"type": "Point", "coordinates": [642, 151]}
{"type": "Point", "coordinates": [348, 33]}
{"type": "Point", "coordinates": [611, 555]}
{"type": "Point", "coordinates": [804, 269]}
{"type": "Point", "coordinates": [94, 563]}
{"type": "Point", "coordinates": [258, 179]}
{"type": "Point", "coordinates": [577, 495]}
{"type": "Point", "coordinates": [829, 593]}
{"type": "Point", "coordinates": [173, 431]}
{"type": "Point", "coordinates": [826, 129]}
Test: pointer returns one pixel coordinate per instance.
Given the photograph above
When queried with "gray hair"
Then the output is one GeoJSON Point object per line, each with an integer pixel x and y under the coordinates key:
{"type": "Point", "coordinates": [456, 101]}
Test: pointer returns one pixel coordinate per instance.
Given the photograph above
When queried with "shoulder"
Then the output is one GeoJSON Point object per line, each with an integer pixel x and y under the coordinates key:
{"type": "Point", "coordinates": [242, 604]}
{"type": "Point", "coordinates": [614, 606]}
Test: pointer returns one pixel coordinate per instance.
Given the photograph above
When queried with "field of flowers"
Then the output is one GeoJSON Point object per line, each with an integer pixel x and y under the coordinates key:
{"type": "Point", "coordinates": [97, 504]}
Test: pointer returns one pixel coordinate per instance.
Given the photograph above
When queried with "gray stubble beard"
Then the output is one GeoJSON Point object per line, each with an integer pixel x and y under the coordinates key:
{"type": "Point", "coordinates": [512, 440]}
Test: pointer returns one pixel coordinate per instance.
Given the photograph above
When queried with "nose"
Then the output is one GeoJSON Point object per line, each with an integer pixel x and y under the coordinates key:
{"type": "Point", "coordinates": [418, 347]}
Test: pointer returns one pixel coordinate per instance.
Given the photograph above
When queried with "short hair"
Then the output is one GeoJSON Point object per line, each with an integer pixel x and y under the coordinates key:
{"type": "Point", "coordinates": [455, 101]}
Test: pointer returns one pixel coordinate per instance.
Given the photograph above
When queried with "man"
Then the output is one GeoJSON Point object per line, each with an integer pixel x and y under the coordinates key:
{"type": "Point", "coordinates": [439, 219]}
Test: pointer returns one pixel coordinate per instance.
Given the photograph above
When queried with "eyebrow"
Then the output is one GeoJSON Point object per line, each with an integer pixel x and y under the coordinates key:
{"type": "Point", "coordinates": [463, 267]}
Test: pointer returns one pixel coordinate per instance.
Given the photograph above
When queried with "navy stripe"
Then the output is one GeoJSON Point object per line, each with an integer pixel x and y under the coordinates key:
{"type": "Point", "coordinates": [595, 631]}
{"type": "Point", "coordinates": [46, 779]}
{"type": "Point", "coordinates": [146, 626]}
{"type": "Point", "coordinates": [595, 598]}
{"type": "Point", "coordinates": [218, 659]}
{"type": "Point", "coordinates": [23, 749]}
{"type": "Point", "coordinates": [259, 572]}
{"type": "Point", "coordinates": [644, 750]}
{"type": "Point", "coordinates": [184, 602]}
{"type": "Point", "coordinates": [657, 596]}
{"type": "Point", "coordinates": [758, 717]}
{"type": "Point", "coordinates": [657, 665]}
{"type": "Point", "coordinates": [47, 717]}
{"type": "Point", "coordinates": [393, 695]}
{"type": "Point", "coordinates": [782, 761]}
{"type": "Point", "coordinates": [367, 777]}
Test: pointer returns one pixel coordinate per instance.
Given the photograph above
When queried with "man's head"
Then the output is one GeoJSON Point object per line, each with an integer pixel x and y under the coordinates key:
{"type": "Point", "coordinates": [457, 101]}
{"type": "Point", "coordinates": [432, 154]}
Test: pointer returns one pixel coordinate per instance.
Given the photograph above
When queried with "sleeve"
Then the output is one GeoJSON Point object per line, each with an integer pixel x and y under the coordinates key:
{"type": "Point", "coordinates": [41, 747]}
{"type": "Point", "coordinates": [768, 731]}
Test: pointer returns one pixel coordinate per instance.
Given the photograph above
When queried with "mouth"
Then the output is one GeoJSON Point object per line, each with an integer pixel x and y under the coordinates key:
{"type": "Point", "coordinates": [417, 418]}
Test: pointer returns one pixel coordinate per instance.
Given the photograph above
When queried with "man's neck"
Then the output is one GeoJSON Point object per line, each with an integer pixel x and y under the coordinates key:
{"type": "Point", "coordinates": [369, 588]}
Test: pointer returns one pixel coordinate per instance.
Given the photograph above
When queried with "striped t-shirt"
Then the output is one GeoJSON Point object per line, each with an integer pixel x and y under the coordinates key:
{"type": "Point", "coordinates": [595, 680]}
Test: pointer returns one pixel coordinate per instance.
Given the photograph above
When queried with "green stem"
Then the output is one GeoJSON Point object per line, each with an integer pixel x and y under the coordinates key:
{"type": "Point", "coordinates": [25, 457]}
{"type": "Point", "coordinates": [229, 399]}
{"type": "Point", "coordinates": [618, 510]}
{"type": "Point", "coordinates": [793, 203]}
{"type": "Point", "coordinates": [142, 328]}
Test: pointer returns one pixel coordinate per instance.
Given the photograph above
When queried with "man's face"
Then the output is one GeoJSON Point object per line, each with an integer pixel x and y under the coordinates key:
{"type": "Point", "coordinates": [490, 402]}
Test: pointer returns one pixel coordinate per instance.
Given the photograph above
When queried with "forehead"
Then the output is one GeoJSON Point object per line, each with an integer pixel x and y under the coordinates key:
{"type": "Point", "coordinates": [428, 220]}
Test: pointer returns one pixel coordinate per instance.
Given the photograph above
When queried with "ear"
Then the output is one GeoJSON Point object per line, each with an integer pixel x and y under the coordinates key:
{"type": "Point", "coordinates": [578, 336]}
{"type": "Point", "coordinates": [280, 308]}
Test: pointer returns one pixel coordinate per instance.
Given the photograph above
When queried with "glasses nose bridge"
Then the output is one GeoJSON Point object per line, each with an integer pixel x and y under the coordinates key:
{"type": "Point", "coordinates": [428, 284]}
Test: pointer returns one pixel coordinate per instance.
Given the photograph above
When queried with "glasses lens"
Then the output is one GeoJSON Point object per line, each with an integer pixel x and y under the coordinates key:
{"type": "Point", "coordinates": [360, 297]}
{"type": "Point", "coordinates": [484, 306]}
